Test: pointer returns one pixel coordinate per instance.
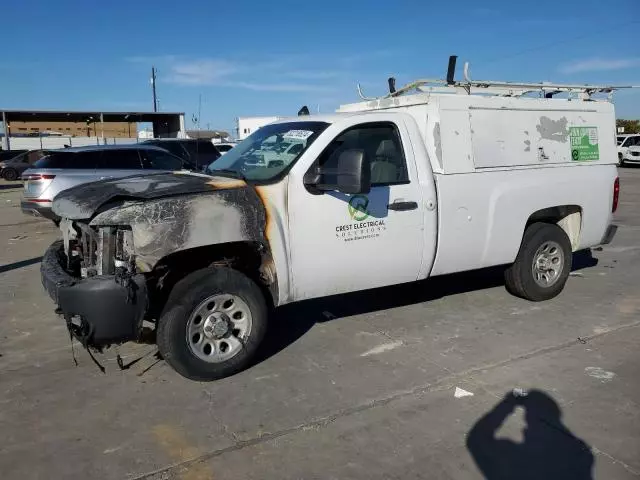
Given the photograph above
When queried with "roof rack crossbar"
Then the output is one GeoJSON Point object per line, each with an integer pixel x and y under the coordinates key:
{"type": "Point", "coordinates": [498, 88]}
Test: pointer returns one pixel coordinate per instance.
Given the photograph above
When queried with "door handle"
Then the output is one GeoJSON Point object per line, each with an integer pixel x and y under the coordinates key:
{"type": "Point", "coordinates": [402, 206]}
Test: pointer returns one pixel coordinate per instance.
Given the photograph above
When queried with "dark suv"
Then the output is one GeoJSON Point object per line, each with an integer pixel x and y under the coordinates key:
{"type": "Point", "coordinates": [198, 154]}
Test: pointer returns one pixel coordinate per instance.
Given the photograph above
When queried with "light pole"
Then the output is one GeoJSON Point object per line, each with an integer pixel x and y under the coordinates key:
{"type": "Point", "coordinates": [153, 88]}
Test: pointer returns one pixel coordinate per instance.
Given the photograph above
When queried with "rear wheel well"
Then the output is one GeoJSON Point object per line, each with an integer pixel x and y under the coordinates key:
{"type": "Point", "coordinates": [250, 258]}
{"type": "Point", "coordinates": [567, 217]}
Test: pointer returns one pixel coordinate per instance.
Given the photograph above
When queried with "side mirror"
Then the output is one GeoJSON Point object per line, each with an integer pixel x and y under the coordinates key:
{"type": "Point", "coordinates": [354, 172]}
{"type": "Point", "coordinates": [351, 175]}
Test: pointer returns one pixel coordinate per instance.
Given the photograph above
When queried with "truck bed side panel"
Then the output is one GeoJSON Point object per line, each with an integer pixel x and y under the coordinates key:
{"type": "Point", "coordinates": [482, 216]}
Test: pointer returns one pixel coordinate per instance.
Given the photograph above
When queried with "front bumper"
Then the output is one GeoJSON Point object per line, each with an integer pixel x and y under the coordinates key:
{"type": "Point", "coordinates": [38, 209]}
{"type": "Point", "coordinates": [100, 310]}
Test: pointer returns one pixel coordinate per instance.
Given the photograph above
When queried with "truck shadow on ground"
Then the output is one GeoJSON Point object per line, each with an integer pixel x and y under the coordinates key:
{"type": "Point", "coordinates": [291, 322]}
{"type": "Point", "coordinates": [22, 263]}
{"type": "Point", "coordinates": [548, 448]}
{"type": "Point", "coordinates": [10, 186]}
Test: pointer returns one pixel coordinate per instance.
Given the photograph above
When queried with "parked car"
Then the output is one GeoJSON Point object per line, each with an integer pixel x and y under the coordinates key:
{"type": "Point", "coordinates": [12, 168]}
{"type": "Point", "coordinates": [63, 169]}
{"type": "Point", "coordinates": [388, 191]}
{"type": "Point", "coordinates": [628, 148]}
{"type": "Point", "coordinates": [224, 147]}
{"type": "Point", "coordinates": [9, 154]}
{"type": "Point", "coordinates": [197, 153]}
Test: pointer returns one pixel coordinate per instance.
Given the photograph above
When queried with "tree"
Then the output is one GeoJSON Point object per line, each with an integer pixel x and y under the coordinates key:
{"type": "Point", "coordinates": [630, 126]}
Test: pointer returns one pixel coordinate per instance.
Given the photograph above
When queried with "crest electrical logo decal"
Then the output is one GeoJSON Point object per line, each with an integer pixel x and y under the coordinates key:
{"type": "Point", "coordinates": [363, 224]}
{"type": "Point", "coordinates": [358, 205]}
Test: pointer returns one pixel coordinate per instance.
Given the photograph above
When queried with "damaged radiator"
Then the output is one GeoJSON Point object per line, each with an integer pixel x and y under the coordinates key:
{"type": "Point", "coordinates": [100, 251]}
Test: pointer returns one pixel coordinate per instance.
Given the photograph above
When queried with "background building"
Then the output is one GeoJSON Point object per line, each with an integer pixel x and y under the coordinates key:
{"type": "Point", "coordinates": [29, 129]}
{"type": "Point", "coordinates": [73, 129]}
{"type": "Point", "coordinates": [247, 125]}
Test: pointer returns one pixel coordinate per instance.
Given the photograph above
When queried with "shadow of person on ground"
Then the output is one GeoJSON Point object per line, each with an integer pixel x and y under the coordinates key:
{"type": "Point", "coordinates": [549, 450]}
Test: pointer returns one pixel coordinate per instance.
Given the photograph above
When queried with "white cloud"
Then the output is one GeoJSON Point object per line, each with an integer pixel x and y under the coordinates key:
{"type": "Point", "coordinates": [280, 87]}
{"type": "Point", "coordinates": [269, 73]}
{"type": "Point", "coordinates": [201, 72]}
{"type": "Point", "coordinates": [313, 75]}
{"type": "Point", "coordinates": [150, 60]}
{"type": "Point", "coordinates": [600, 64]}
{"type": "Point", "coordinates": [268, 76]}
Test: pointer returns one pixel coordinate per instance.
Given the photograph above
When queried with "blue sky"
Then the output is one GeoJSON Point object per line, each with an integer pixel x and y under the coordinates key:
{"type": "Point", "coordinates": [269, 58]}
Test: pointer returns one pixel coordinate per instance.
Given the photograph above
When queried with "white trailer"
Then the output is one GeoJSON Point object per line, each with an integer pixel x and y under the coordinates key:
{"type": "Point", "coordinates": [247, 125]}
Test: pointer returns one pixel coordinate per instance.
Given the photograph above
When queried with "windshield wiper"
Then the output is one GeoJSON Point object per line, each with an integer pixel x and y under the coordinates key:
{"type": "Point", "coordinates": [228, 172]}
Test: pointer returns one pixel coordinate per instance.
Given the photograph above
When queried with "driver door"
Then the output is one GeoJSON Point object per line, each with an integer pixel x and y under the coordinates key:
{"type": "Point", "coordinates": [341, 243]}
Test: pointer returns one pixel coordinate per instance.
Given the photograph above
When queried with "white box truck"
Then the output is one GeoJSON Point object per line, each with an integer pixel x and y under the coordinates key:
{"type": "Point", "coordinates": [434, 178]}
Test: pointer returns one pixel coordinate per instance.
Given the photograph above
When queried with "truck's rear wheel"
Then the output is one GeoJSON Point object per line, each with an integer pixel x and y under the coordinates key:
{"type": "Point", "coordinates": [543, 263]}
{"type": "Point", "coordinates": [213, 324]}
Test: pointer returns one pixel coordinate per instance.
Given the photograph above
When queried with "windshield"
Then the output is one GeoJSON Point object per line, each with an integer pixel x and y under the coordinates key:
{"type": "Point", "coordinates": [621, 140]}
{"type": "Point", "coordinates": [270, 150]}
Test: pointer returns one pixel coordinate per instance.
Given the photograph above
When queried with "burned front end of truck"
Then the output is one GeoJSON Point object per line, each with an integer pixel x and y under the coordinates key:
{"type": "Point", "coordinates": [92, 277]}
{"type": "Point", "coordinates": [127, 242]}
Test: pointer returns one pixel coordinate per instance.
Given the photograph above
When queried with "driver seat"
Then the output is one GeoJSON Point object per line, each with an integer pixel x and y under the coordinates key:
{"type": "Point", "coordinates": [384, 168]}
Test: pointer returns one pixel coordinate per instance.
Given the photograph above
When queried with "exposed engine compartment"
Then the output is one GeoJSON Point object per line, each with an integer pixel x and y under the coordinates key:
{"type": "Point", "coordinates": [92, 251]}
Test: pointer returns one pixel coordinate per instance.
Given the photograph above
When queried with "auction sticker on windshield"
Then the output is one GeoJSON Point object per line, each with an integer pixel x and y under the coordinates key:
{"type": "Point", "coordinates": [298, 134]}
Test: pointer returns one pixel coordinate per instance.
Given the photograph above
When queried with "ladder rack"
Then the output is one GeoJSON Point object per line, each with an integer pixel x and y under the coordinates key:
{"type": "Point", "coordinates": [496, 88]}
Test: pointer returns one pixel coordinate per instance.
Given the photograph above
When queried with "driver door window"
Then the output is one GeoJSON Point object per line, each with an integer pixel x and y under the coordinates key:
{"type": "Point", "coordinates": [381, 144]}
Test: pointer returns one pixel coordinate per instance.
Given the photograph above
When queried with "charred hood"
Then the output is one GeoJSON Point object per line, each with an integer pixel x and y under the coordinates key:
{"type": "Point", "coordinates": [84, 201]}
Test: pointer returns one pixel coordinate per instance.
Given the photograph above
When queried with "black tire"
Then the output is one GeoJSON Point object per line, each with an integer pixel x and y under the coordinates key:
{"type": "Point", "coordinates": [519, 277]}
{"type": "Point", "coordinates": [620, 160]}
{"type": "Point", "coordinates": [10, 174]}
{"type": "Point", "coordinates": [184, 299]}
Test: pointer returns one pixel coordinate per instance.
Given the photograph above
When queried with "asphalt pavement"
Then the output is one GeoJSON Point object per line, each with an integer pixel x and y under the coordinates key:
{"type": "Point", "coordinates": [411, 381]}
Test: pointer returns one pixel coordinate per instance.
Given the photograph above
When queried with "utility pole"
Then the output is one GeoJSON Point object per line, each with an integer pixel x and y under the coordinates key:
{"type": "Point", "coordinates": [6, 131]}
{"type": "Point", "coordinates": [153, 87]}
{"type": "Point", "coordinates": [199, 112]}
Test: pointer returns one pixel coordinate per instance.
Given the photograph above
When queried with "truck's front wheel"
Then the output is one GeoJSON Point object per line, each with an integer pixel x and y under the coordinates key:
{"type": "Point", "coordinates": [543, 263]}
{"type": "Point", "coordinates": [213, 324]}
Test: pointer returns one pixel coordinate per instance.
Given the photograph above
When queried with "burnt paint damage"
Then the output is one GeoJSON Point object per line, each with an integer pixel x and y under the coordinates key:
{"type": "Point", "coordinates": [167, 225]}
{"type": "Point", "coordinates": [168, 213]}
{"type": "Point", "coordinates": [128, 242]}
{"type": "Point", "coordinates": [82, 201]}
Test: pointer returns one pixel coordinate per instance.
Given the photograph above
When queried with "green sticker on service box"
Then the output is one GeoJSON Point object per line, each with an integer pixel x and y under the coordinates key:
{"type": "Point", "coordinates": [584, 143]}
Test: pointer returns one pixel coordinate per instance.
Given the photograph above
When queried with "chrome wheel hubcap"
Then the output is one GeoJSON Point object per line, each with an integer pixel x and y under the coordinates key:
{"type": "Point", "coordinates": [218, 328]}
{"type": "Point", "coordinates": [548, 263]}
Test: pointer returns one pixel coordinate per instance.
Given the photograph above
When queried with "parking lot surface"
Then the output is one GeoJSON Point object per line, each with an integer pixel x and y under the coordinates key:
{"type": "Point", "coordinates": [412, 381]}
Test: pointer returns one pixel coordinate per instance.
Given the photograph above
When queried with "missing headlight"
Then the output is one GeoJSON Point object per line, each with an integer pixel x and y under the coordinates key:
{"type": "Point", "coordinates": [124, 256]}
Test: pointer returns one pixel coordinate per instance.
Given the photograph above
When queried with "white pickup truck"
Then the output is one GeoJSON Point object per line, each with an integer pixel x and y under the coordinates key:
{"type": "Point", "coordinates": [386, 191]}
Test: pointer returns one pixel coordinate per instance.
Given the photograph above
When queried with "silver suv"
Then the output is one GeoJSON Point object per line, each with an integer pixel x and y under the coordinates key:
{"type": "Point", "coordinates": [63, 169]}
